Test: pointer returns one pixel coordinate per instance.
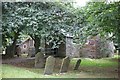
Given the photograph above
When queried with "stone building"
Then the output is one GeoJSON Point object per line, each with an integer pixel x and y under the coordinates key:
{"type": "Point", "coordinates": [66, 48]}
{"type": "Point", "coordinates": [26, 47]}
{"type": "Point", "coordinates": [95, 47]}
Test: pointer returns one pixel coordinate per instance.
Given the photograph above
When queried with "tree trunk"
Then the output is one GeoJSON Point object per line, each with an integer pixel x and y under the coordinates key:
{"type": "Point", "coordinates": [37, 44]}
{"type": "Point", "coordinates": [11, 50]}
{"type": "Point", "coordinates": [119, 43]}
{"type": "Point", "coordinates": [119, 46]}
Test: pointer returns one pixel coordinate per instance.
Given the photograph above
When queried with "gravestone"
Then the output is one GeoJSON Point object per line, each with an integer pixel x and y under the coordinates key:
{"type": "Point", "coordinates": [39, 60]}
{"type": "Point", "coordinates": [49, 66]}
{"type": "Point", "coordinates": [65, 65]}
{"type": "Point", "coordinates": [77, 64]}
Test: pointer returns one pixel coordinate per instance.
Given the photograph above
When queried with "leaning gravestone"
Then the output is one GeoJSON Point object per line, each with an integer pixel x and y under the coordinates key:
{"type": "Point", "coordinates": [77, 64]}
{"type": "Point", "coordinates": [65, 65]}
{"type": "Point", "coordinates": [39, 60]}
{"type": "Point", "coordinates": [50, 62]}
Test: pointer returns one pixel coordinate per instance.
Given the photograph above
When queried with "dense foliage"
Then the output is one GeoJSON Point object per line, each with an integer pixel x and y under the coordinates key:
{"type": "Point", "coordinates": [52, 20]}
{"type": "Point", "coordinates": [103, 18]}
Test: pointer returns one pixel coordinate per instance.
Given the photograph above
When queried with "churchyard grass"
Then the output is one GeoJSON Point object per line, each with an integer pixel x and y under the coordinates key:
{"type": "Point", "coordinates": [10, 71]}
{"type": "Point", "coordinates": [105, 62]}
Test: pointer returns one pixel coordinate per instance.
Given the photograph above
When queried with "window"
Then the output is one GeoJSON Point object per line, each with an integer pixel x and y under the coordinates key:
{"type": "Point", "coordinates": [24, 46]}
{"type": "Point", "coordinates": [31, 43]}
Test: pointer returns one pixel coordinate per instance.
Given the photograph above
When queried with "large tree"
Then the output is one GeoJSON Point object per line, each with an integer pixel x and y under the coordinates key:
{"type": "Point", "coordinates": [47, 20]}
{"type": "Point", "coordinates": [39, 19]}
{"type": "Point", "coordinates": [103, 18]}
{"type": "Point", "coordinates": [12, 24]}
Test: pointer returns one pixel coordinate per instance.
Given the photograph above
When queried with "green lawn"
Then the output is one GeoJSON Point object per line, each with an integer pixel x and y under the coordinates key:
{"type": "Point", "coordinates": [10, 71]}
{"type": "Point", "coordinates": [106, 62]}
{"type": "Point", "coordinates": [15, 72]}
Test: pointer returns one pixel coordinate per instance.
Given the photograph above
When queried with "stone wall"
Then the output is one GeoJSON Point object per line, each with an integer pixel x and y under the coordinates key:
{"type": "Point", "coordinates": [76, 50]}
{"type": "Point", "coordinates": [69, 47]}
{"type": "Point", "coordinates": [97, 48]}
{"type": "Point", "coordinates": [107, 49]}
{"type": "Point", "coordinates": [93, 48]}
{"type": "Point", "coordinates": [26, 47]}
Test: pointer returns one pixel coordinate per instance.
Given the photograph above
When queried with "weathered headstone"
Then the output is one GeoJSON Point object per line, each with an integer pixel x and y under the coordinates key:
{"type": "Point", "coordinates": [49, 66]}
{"type": "Point", "coordinates": [39, 60]}
{"type": "Point", "coordinates": [77, 64]}
{"type": "Point", "coordinates": [65, 65]}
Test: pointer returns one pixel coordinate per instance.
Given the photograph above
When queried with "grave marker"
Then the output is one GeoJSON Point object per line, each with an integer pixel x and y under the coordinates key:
{"type": "Point", "coordinates": [39, 60]}
{"type": "Point", "coordinates": [65, 65]}
{"type": "Point", "coordinates": [77, 64]}
{"type": "Point", "coordinates": [49, 66]}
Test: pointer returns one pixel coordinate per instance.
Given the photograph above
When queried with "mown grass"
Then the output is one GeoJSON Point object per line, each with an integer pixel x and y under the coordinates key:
{"type": "Point", "coordinates": [10, 71]}
{"type": "Point", "coordinates": [15, 72]}
{"type": "Point", "coordinates": [105, 62]}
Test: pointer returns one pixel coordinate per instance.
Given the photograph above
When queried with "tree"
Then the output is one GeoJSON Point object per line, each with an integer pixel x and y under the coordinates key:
{"type": "Point", "coordinates": [12, 24]}
{"type": "Point", "coordinates": [37, 20]}
{"type": "Point", "coordinates": [46, 20]}
{"type": "Point", "coordinates": [103, 18]}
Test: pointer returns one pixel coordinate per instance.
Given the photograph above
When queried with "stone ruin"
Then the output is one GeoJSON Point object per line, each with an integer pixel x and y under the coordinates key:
{"type": "Point", "coordinates": [67, 48]}
{"type": "Point", "coordinates": [93, 48]}
{"type": "Point", "coordinates": [97, 48]}
{"type": "Point", "coordinates": [26, 47]}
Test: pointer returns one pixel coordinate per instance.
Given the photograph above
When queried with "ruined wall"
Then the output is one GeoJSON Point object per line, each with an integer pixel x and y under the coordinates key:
{"type": "Point", "coordinates": [26, 47]}
{"type": "Point", "coordinates": [76, 50]}
{"type": "Point", "coordinates": [69, 47]}
{"type": "Point", "coordinates": [107, 49]}
{"type": "Point", "coordinates": [66, 48]}
{"type": "Point", "coordinates": [72, 49]}
{"type": "Point", "coordinates": [93, 48]}
{"type": "Point", "coordinates": [97, 48]}
{"type": "Point", "coordinates": [90, 49]}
